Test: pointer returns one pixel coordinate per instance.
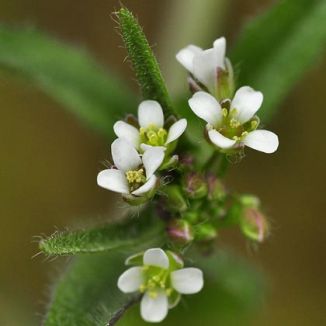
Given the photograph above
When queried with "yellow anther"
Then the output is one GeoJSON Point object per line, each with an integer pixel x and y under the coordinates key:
{"type": "Point", "coordinates": [234, 123]}
{"type": "Point", "coordinates": [152, 294]}
{"type": "Point", "coordinates": [136, 176]}
{"type": "Point", "coordinates": [168, 291]}
{"type": "Point", "coordinates": [245, 133]}
{"type": "Point", "coordinates": [142, 288]}
{"type": "Point", "coordinates": [224, 112]}
{"type": "Point", "coordinates": [254, 124]}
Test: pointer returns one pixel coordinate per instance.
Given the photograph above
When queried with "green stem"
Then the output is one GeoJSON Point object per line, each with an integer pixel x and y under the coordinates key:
{"type": "Point", "coordinates": [217, 163]}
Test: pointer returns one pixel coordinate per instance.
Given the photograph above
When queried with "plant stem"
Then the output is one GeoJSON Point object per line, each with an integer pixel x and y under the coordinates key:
{"type": "Point", "coordinates": [117, 316]}
{"type": "Point", "coordinates": [217, 163]}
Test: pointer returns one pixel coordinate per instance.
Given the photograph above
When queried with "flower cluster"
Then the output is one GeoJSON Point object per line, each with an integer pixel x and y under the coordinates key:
{"type": "Point", "coordinates": [192, 202]}
{"type": "Point", "coordinates": [231, 122]}
{"type": "Point", "coordinates": [139, 151]}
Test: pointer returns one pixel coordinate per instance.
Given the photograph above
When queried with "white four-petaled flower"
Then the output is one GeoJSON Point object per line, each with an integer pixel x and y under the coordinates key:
{"type": "Point", "coordinates": [161, 279]}
{"type": "Point", "coordinates": [133, 174]}
{"type": "Point", "coordinates": [233, 124]}
{"type": "Point", "coordinates": [205, 65]}
{"type": "Point", "coordinates": [151, 131]}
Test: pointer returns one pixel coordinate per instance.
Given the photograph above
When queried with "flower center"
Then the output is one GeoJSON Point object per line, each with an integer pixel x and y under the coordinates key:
{"type": "Point", "coordinates": [232, 128]}
{"type": "Point", "coordinates": [153, 136]}
{"type": "Point", "coordinates": [156, 279]}
{"type": "Point", "coordinates": [135, 178]}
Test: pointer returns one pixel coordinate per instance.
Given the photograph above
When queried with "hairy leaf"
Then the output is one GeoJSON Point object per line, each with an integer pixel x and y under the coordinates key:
{"type": "Point", "coordinates": [143, 60]}
{"type": "Point", "coordinates": [276, 48]}
{"type": "Point", "coordinates": [67, 74]}
{"type": "Point", "coordinates": [133, 232]}
{"type": "Point", "coordinates": [87, 294]}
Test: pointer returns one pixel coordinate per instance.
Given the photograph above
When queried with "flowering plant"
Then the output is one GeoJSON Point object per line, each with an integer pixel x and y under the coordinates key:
{"type": "Point", "coordinates": [167, 168]}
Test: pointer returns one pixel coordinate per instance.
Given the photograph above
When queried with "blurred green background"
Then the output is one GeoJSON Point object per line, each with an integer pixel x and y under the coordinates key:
{"type": "Point", "coordinates": [49, 162]}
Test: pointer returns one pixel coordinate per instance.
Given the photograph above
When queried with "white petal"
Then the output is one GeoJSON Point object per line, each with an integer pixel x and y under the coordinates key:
{"type": "Point", "coordinates": [156, 257]}
{"type": "Point", "coordinates": [262, 140]}
{"type": "Point", "coordinates": [150, 113]}
{"type": "Point", "coordinates": [154, 310]}
{"type": "Point", "coordinates": [114, 180]}
{"type": "Point", "coordinates": [220, 48]}
{"type": "Point", "coordinates": [125, 156]}
{"type": "Point", "coordinates": [219, 140]}
{"type": "Point", "coordinates": [206, 107]}
{"type": "Point", "coordinates": [176, 130]}
{"type": "Point", "coordinates": [152, 160]}
{"type": "Point", "coordinates": [186, 56]}
{"type": "Point", "coordinates": [205, 68]}
{"type": "Point", "coordinates": [128, 132]}
{"type": "Point", "coordinates": [247, 102]}
{"type": "Point", "coordinates": [187, 280]}
{"type": "Point", "coordinates": [145, 147]}
{"type": "Point", "coordinates": [146, 187]}
{"type": "Point", "coordinates": [131, 280]}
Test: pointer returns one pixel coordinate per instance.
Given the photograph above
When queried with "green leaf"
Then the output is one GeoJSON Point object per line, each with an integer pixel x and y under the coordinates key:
{"type": "Point", "coordinates": [276, 48]}
{"type": "Point", "coordinates": [232, 295]}
{"type": "Point", "coordinates": [139, 232]}
{"type": "Point", "coordinates": [143, 60]}
{"type": "Point", "coordinates": [87, 294]}
{"type": "Point", "coordinates": [67, 74]}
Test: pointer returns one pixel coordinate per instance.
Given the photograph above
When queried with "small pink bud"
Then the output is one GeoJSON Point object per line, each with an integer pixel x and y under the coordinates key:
{"type": "Point", "coordinates": [195, 185]}
{"type": "Point", "coordinates": [216, 190]}
{"type": "Point", "coordinates": [254, 224]}
{"type": "Point", "coordinates": [180, 231]}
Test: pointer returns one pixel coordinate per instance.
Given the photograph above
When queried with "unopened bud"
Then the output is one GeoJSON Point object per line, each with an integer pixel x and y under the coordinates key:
{"type": "Point", "coordinates": [205, 232]}
{"type": "Point", "coordinates": [216, 190]}
{"type": "Point", "coordinates": [195, 185]}
{"type": "Point", "coordinates": [249, 201]}
{"type": "Point", "coordinates": [254, 224]}
{"type": "Point", "coordinates": [180, 231]}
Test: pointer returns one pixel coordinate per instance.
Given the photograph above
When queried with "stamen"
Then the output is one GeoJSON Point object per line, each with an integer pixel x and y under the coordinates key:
{"type": "Point", "coordinates": [153, 136]}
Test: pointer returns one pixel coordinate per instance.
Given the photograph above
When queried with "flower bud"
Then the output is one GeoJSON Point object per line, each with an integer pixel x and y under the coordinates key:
{"type": "Point", "coordinates": [254, 224]}
{"type": "Point", "coordinates": [195, 186]}
{"type": "Point", "coordinates": [250, 201]}
{"type": "Point", "coordinates": [216, 190]}
{"type": "Point", "coordinates": [205, 232]}
{"type": "Point", "coordinates": [180, 231]}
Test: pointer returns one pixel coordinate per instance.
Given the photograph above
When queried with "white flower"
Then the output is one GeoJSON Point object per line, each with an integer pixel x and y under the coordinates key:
{"type": "Point", "coordinates": [151, 131]}
{"type": "Point", "coordinates": [206, 65]}
{"type": "Point", "coordinates": [233, 124]}
{"type": "Point", "coordinates": [134, 174]}
{"type": "Point", "coordinates": [162, 279]}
